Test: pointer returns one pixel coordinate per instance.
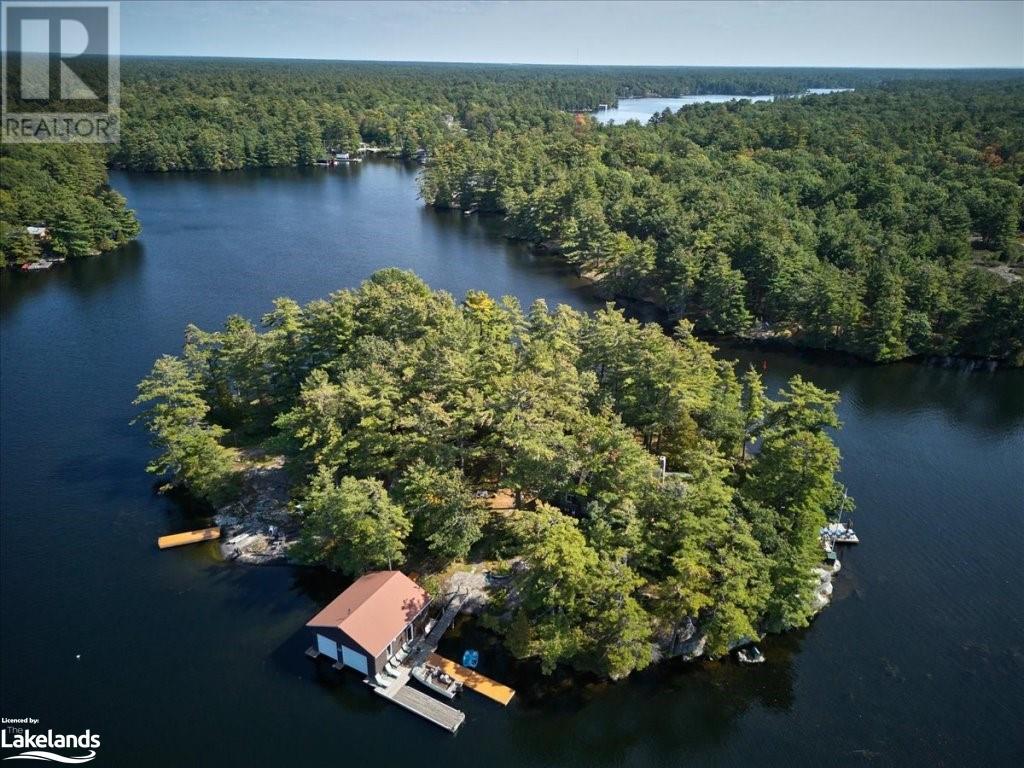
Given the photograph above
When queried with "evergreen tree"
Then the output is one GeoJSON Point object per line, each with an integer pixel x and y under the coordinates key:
{"type": "Point", "coordinates": [189, 445]}
{"type": "Point", "coordinates": [445, 513]}
{"type": "Point", "coordinates": [352, 525]}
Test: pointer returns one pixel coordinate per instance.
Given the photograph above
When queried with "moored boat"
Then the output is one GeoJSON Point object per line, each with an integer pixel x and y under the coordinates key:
{"type": "Point", "coordinates": [750, 655]}
{"type": "Point", "coordinates": [32, 266]}
{"type": "Point", "coordinates": [840, 533]}
{"type": "Point", "coordinates": [436, 680]}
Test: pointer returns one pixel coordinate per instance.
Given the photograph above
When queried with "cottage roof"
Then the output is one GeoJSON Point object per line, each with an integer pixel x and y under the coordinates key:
{"type": "Point", "coordinates": [374, 610]}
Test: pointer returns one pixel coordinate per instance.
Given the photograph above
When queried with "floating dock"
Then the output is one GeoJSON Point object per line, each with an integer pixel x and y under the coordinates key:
{"type": "Point", "coordinates": [840, 533]}
{"type": "Point", "coordinates": [188, 537]}
{"type": "Point", "coordinates": [422, 704]}
{"type": "Point", "coordinates": [472, 679]}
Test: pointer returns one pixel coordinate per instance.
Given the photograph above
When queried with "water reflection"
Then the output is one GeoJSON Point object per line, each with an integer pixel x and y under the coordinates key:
{"type": "Point", "coordinates": [918, 660]}
{"type": "Point", "coordinates": [991, 402]}
{"type": "Point", "coordinates": [85, 277]}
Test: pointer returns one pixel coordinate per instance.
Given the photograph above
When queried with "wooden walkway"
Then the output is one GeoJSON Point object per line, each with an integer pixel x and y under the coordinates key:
{"type": "Point", "coordinates": [473, 679]}
{"type": "Point", "coordinates": [428, 707]}
{"type": "Point", "coordinates": [395, 687]}
{"type": "Point", "coordinates": [417, 702]}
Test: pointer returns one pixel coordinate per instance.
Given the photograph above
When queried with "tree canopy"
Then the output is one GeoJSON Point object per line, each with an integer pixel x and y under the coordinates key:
{"type": "Point", "coordinates": [396, 406]}
{"type": "Point", "coordinates": [885, 222]}
{"type": "Point", "coordinates": [62, 188]}
{"type": "Point", "coordinates": [869, 222]}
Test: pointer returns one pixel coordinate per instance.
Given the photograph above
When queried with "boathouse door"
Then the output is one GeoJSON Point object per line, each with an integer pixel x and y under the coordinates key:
{"type": "Point", "coordinates": [327, 646]}
{"type": "Point", "coordinates": [354, 659]}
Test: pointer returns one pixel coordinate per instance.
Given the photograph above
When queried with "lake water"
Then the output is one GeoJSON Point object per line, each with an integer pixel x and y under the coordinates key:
{"type": "Point", "coordinates": [642, 109]}
{"type": "Point", "coordinates": [186, 660]}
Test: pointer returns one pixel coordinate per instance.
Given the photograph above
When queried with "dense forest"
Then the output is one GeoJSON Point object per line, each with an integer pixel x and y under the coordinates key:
{"type": "Point", "coordinates": [883, 222]}
{"type": "Point", "coordinates": [852, 221]}
{"type": "Point", "coordinates": [395, 405]}
{"type": "Point", "coordinates": [217, 114]}
{"type": "Point", "coordinates": [212, 114]}
{"type": "Point", "coordinates": [62, 189]}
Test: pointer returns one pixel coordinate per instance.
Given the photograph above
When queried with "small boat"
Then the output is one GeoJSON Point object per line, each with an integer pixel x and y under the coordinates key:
{"type": "Point", "coordinates": [436, 680]}
{"type": "Point", "coordinates": [750, 655]}
{"type": "Point", "coordinates": [840, 533]}
{"type": "Point", "coordinates": [470, 659]}
{"type": "Point", "coordinates": [830, 549]}
{"type": "Point", "coordinates": [32, 266]}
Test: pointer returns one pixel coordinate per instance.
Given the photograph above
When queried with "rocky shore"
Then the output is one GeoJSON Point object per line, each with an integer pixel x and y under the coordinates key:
{"type": "Point", "coordinates": [259, 528]}
{"type": "Point", "coordinates": [686, 641]}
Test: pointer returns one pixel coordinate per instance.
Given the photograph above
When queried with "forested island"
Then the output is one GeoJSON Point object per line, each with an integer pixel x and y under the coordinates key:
{"type": "Point", "coordinates": [397, 409]}
{"type": "Point", "coordinates": [55, 202]}
{"type": "Point", "coordinates": [883, 222]}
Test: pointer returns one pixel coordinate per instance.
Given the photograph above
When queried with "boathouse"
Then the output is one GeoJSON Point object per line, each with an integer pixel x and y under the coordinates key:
{"type": "Point", "coordinates": [370, 622]}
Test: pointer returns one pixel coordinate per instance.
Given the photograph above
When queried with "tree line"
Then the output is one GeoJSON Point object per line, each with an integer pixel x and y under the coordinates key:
{"type": "Point", "coordinates": [882, 222]}
{"type": "Point", "coordinates": [217, 114]}
{"type": "Point", "coordinates": [867, 222]}
{"type": "Point", "coordinates": [395, 405]}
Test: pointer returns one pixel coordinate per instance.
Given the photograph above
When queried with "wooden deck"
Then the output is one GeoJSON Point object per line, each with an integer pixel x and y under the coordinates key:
{"type": "Point", "coordinates": [395, 686]}
{"type": "Point", "coordinates": [473, 679]}
{"type": "Point", "coordinates": [397, 689]}
{"type": "Point", "coordinates": [428, 707]}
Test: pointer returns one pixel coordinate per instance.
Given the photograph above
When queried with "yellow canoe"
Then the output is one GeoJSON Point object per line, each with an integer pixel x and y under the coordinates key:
{"type": "Point", "coordinates": [188, 537]}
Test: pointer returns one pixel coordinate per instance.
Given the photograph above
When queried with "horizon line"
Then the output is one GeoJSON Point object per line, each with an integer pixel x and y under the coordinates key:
{"type": "Point", "coordinates": [966, 67]}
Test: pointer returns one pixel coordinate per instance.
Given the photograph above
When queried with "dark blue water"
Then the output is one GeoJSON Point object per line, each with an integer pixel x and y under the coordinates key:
{"type": "Point", "coordinates": [189, 661]}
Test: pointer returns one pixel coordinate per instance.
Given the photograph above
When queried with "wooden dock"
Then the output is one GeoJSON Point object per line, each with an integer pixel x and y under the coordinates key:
{"type": "Point", "coordinates": [436, 711]}
{"type": "Point", "coordinates": [394, 685]}
{"type": "Point", "coordinates": [426, 706]}
{"type": "Point", "coordinates": [473, 679]}
{"type": "Point", "coordinates": [840, 533]}
{"type": "Point", "coordinates": [188, 537]}
{"type": "Point", "coordinates": [396, 688]}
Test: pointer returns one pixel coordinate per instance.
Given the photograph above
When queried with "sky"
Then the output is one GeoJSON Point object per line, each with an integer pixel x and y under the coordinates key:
{"type": "Point", "coordinates": [766, 33]}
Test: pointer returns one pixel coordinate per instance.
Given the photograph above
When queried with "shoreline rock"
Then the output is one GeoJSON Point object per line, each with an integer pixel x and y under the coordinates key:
{"type": "Point", "coordinates": [688, 642]}
{"type": "Point", "coordinates": [259, 528]}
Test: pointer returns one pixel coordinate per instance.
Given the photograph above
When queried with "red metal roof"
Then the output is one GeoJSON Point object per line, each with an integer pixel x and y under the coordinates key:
{"type": "Point", "coordinates": [374, 610]}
